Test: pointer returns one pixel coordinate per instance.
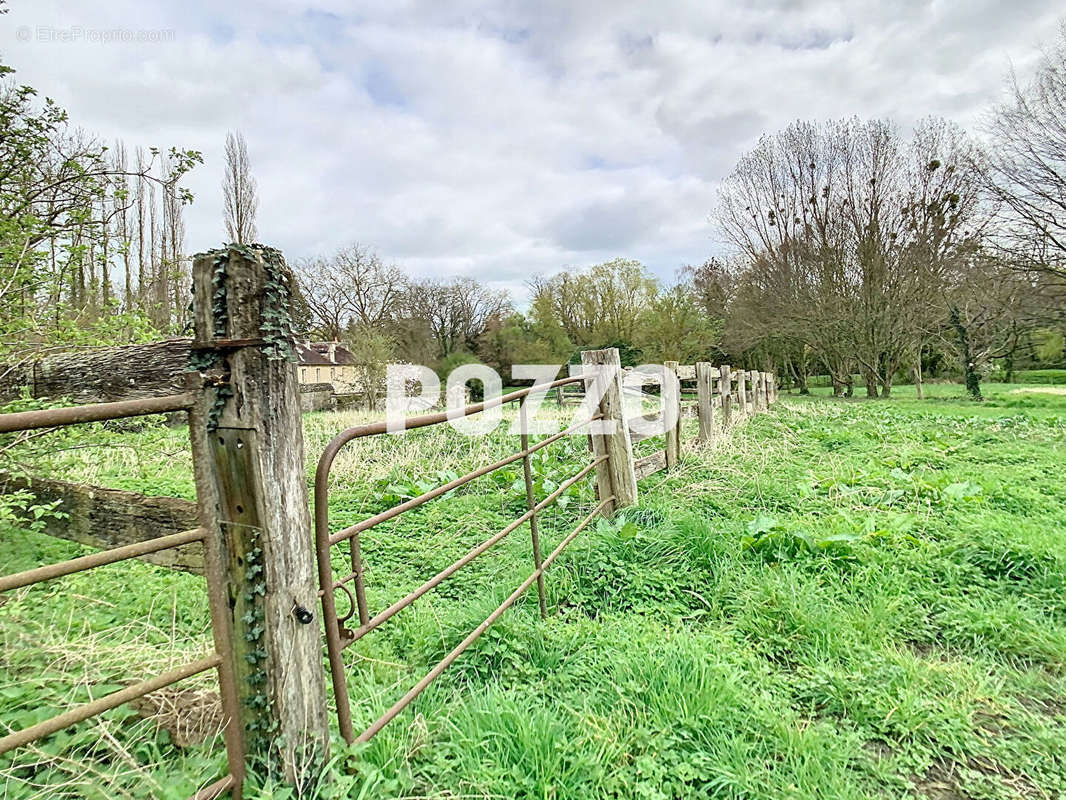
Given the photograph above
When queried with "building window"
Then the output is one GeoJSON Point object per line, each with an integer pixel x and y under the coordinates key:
{"type": "Point", "coordinates": [332, 373]}
{"type": "Point", "coordinates": [318, 374]}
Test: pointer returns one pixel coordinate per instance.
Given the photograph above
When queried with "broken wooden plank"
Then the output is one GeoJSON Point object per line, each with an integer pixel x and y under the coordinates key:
{"type": "Point", "coordinates": [650, 464]}
{"type": "Point", "coordinates": [106, 518]}
{"type": "Point", "coordinates": [101, 374]}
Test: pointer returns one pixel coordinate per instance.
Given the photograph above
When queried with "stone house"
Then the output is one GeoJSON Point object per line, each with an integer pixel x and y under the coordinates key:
{"type": "Point", "coordinates": [327, 362]}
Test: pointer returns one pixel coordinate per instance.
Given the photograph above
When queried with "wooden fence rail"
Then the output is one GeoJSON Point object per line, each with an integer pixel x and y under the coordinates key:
{"type": "Point", "coordinates": [724, 396]}
{"type": "Point", "coordinates": [252, 530]}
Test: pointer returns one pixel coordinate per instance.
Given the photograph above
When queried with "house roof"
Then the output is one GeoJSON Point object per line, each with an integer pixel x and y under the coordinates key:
{"type": "Point", "coordinates": [318, 354]}
{"type": "Point", "coordinates": [307, 356]}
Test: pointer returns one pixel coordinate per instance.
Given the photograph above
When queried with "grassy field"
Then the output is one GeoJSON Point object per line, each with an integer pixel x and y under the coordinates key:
{"type": "Point", "coordinates": [844, 599]}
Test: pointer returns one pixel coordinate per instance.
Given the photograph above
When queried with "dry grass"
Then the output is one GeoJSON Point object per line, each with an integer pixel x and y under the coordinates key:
{"type": "Point", "coordinates": [1040, 390]}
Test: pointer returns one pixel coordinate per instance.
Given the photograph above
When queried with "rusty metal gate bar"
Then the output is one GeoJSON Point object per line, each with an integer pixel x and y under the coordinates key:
{"type": "Point", "coordinates": [219, 660]}
{"type": "Point", "coordinates": [338, 637]}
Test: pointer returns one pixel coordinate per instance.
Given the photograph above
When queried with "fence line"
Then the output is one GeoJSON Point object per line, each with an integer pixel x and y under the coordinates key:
{"type": "Point", "coordinates": [253, 526]}
{"type": "Point", "coordinates": [220, 660]}
{"type": "Point", "coordinates": [617, 475]}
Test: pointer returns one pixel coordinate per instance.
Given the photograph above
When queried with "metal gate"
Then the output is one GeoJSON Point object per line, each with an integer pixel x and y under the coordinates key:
{"type": "Point", "coordinates": [339, 636]}
{"type": "Point", "coordinates": [219, 660]}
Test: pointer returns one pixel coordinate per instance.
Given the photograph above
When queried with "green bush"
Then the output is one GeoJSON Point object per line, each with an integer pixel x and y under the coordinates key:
{"type": "Point", "coordinates": [1055, 377]}
{"type": "Point", "coordinates": [453, 362]}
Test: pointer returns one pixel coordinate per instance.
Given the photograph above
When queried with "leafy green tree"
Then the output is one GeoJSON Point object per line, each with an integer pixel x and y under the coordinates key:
{"type": "Point", "coordinates": [372, 350]}
{"type": "Point", "coordinates": [602, 304]}
{"type": "Point", "coordinates": [1048, 346]}
{"type": "Point", "coordinates": [518, 339]}
{"type": "Point", "coordinates": [675, 327]}
{"type": "Point", "coordinates": [60, 196]}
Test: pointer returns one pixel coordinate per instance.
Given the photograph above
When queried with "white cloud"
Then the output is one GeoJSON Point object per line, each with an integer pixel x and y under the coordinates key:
{"type": "Point", "coordinates": [503, 139]}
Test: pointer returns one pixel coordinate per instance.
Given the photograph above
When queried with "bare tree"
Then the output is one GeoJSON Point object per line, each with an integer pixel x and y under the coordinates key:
{"type": "Point", "coordinates": [990, 308]}
{"type": "Point", "coordinates": [353, 287]}
{"type": "Point", "coordinates": [1025, 168]}
{"type": "Point", "coordinates": [849, 231]}
{"type": "Point", "coordinates": [456, 313]}
{"type": "Point", "coordinates": [239, 191]}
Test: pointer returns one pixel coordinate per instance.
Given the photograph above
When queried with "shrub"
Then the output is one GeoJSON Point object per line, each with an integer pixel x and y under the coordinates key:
{"type": "Point", "coordinates": [1056, 377]}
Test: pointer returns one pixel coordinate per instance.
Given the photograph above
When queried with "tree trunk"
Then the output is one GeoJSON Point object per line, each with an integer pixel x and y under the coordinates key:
{"type": "Point", "coordinates": [798, 373]}
{"type": "Point", "coordinates": [973, 379]}
{"type": "Point", "coordinates": [918, 380]}
{"type": "Point", "coordinates": [870, 380]}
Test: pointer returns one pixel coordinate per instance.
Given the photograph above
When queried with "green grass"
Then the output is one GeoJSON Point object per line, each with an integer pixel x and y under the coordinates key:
{"type": "Point", "coordinates": [843, 599]}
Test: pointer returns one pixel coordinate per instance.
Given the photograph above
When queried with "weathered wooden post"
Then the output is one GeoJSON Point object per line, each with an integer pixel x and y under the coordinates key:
{"type": "Point", "coordinates": [753, 394]}
{"type": "Point", "coordinates": [248, 456]}
{"type": "Point", "coordinates": [673, 435]}
{"type": "Point", "coordinates": [742, 392]}
{"type": "Point", "coordinates": [616, 475]}
{"type": "Point", "coordinates": [725, 390]}
{"type": "Point", "coordinates": [704, 398]}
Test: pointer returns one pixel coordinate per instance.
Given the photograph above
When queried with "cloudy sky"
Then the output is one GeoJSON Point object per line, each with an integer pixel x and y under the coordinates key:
{"type": "Point", "coordinates": [503, 138]}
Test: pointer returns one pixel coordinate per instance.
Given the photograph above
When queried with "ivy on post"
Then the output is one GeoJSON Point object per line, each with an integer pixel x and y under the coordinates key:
{"type": "Point", "coordinates": [248, 454]}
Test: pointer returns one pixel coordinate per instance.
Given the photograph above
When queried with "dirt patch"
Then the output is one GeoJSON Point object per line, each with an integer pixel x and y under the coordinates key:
{"type": "Point", "coordinates": [1041, 390]}
{"type": "Point", "coordinates": [191, 716]}
{"type": "Point", "coordinates": [1018, 784]}
{"type": "Point", "coordinates": [939, 782]}
{"type": "Point", "coordinates": [1047, 706]}
{"type": "Point", "coordinates": [990, 722]}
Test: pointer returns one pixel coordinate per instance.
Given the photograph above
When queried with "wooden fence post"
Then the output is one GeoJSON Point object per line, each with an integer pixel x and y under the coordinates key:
{"type": "Point", "coordinates": [673, 435]}
{"type": "Point", "coordinates": [742, 391]}
{"type": "Point", "coordinates": [704, 398]}
{"type": "Point", "coordinates": [248, 456]}
{"type": "Point", "coordinates": [766, 389]}
{"type": "Point", "coordinates": [616, 475]}
{"type": "Point", "coordinates": [725, 391]}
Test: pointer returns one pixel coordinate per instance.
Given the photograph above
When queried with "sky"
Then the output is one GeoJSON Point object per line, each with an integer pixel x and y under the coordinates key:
{"type": "Point", "coordinates": [503, 139]}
